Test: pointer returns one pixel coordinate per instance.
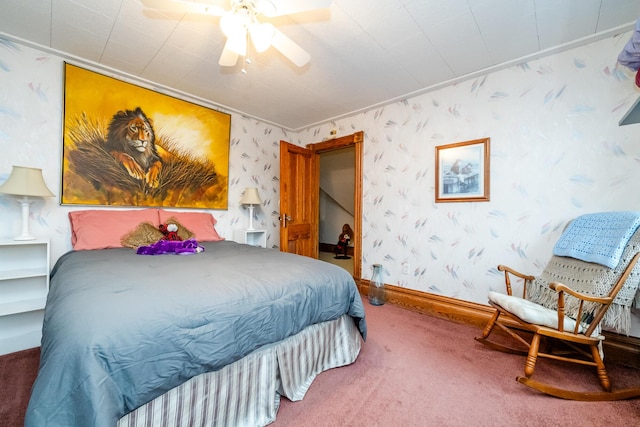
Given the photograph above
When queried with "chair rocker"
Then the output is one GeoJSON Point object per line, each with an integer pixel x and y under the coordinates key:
{"type": "Point", "coordinates": [549, 327]}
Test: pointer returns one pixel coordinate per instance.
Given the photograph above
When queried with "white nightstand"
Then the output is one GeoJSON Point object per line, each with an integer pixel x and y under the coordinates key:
{"type": "Point", "coordinates": [251, 237]}
{"type": "Point", "coordinates": [24, 284]}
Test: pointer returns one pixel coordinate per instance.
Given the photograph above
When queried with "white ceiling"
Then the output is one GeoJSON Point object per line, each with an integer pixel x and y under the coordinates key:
{"type": "Point", "coordinates": [363, 52]}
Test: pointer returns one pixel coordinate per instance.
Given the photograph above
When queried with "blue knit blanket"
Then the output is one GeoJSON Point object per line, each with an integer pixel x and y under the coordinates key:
{"type": "Point", "coordinates": [599, 237]}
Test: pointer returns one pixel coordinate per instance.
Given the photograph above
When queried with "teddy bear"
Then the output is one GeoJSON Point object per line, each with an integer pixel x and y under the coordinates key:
{"type": "Point", "coordinates": [343, 242]}
{"type": "Point", "coordinates": [170, 232]}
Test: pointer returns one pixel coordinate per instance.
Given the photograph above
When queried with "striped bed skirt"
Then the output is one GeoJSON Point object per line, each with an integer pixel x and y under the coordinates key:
{"type": "Point", "coordinates": [247, 392]}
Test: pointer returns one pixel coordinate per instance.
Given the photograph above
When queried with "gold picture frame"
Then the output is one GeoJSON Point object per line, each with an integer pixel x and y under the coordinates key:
{"type": "Point", "coordinates": [126, 145]}
{"type": "Point", "coordinates": [462, 171]}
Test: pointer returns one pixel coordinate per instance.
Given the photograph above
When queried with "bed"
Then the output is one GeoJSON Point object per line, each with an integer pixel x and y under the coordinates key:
{"type": "Point", "coordinates": [211, 338]}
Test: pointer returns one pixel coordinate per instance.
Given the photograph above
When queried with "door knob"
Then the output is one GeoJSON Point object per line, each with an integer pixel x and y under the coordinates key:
{"type": "Point", "coordinates": [283, 219]}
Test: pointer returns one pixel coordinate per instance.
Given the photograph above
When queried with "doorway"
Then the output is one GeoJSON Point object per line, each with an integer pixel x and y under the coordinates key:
{"type": "Point", "coordinates": [354, 142]}
{"type": "Point", "coordinates": [336, 207]}
{"type": "Point", "coordinates": [299, 192]}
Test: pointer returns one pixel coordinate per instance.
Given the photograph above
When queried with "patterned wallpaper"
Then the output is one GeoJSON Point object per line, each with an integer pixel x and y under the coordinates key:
{"type": "Point", "coordinates": [556, 152]}
{"type": "Point", "coordinates": [31, 99]}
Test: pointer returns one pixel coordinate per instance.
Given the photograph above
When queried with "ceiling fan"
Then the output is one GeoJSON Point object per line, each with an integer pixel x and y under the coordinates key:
{"type": "Point", "coordinates": [240, 22]}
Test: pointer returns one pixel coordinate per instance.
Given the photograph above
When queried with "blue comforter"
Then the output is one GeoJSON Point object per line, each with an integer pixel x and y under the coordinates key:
{"type": "Point", "coordinates": [121, 329]}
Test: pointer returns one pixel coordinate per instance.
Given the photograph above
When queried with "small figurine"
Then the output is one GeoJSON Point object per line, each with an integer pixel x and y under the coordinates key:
{"type": "Point", "coordinates": [170, 232]}
{"type": "Point", "coordinates": [343, 242]}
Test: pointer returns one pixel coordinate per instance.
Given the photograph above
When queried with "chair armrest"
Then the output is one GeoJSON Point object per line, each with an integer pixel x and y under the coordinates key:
{"type": "Point", "coordinates": [515, 273]}
{"type": "Point", "coordinates": [507, 279]}
{"type": "Point", "coordinates": [560, 287]}
{"type": "Point", "coordinates": [592, 319]}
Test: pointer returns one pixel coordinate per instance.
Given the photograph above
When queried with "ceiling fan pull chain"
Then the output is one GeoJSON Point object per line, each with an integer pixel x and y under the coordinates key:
{"type": "Point", "coordinates": [246, 59]}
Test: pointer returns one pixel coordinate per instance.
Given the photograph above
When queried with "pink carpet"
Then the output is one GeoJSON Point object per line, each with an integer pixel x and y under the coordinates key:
{"type": "Point", "coordinates": [416, 370]}
{"type": "Point", "coordinates": [18, 371]}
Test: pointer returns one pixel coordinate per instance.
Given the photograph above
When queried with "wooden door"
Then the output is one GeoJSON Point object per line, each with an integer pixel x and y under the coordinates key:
{"type": "Point", "coordinates": [298, 200]}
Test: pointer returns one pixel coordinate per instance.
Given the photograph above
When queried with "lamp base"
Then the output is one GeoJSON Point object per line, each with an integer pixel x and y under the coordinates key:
{"type": "Point", "coordinates": [25, 204]}
{"type": "Point", "coordinates": [23, 237]}
{"type": "Point", "coordinates": [250, 227]}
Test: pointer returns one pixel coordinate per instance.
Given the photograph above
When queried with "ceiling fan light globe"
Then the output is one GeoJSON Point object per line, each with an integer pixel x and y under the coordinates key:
{"type": "Point", "coordinates": [232, 25]}
{"type": "Point", "coordinates": [261, 36]}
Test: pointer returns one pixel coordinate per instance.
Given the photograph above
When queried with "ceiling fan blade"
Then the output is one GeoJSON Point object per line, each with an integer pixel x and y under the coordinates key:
{"type": "Point", "coordinates": [184, 6]}
{"type": "Point", "coordinates": [228, 58]}
{"type": "Point", "coordinates": [288, 48]}
{"type": "Point", "coordinates": [272, 8]}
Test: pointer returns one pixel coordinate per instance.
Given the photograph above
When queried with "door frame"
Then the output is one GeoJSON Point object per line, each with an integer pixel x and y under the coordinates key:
{"type": "Point", "coordinates": [357, 141]}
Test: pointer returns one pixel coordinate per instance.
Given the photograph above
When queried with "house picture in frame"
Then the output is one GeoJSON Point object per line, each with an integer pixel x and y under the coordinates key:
{"type": "Point", "coordinates": [126, 145]}
{"type": "Point", "coordinates": [462, 171]}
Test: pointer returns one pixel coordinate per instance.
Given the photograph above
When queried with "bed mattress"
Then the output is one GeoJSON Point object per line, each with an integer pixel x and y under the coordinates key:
{"type": "Point", "coordinates": [121, 329]}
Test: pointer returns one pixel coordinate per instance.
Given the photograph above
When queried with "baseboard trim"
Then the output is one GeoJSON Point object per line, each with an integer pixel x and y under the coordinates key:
{"type": "Point", "coordinates": [329, 247]}
{"type": "Point", "coordinates": [435, 305]}
{"type": "Point", "coordinates": [618, 347]}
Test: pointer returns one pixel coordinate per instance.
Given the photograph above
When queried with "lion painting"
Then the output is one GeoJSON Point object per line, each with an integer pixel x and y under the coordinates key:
{"type": "Point", "coordinates": [131, 141]}
{"type": "Point", "coordinates": [104, 167]}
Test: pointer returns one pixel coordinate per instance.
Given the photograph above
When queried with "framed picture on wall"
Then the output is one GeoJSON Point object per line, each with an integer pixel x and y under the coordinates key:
{"type": "Point", "coordinates": [126, 145]}
{"type": "Point", "coordinates": [462, 171]}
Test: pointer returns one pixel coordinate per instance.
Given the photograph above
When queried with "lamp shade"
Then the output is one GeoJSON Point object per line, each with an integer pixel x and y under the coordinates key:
{"type": "Point", "coordinates": [26, 182]}
{"type": "Point", "coordinates": [251, 197]}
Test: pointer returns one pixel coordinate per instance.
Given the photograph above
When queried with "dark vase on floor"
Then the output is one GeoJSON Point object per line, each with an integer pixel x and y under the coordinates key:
{"type": "Point", "coordinates": [377, 294]}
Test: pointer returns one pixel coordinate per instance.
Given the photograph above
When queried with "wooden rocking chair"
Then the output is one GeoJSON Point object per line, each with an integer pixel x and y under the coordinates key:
{"type": "Point", "coordinates": [554, 326]}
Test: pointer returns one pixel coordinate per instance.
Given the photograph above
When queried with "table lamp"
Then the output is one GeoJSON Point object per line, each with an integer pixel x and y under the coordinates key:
{"type": "Point", "coordinates": [26, 183]}
{"type": "Point", "coordinates": [250, 198]}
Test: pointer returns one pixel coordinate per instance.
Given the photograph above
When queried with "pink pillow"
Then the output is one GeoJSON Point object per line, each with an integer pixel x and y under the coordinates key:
{"type": "Point", "coordinates": [201, 224]}
{"type": "Point", "coordinates": [101, 229]}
